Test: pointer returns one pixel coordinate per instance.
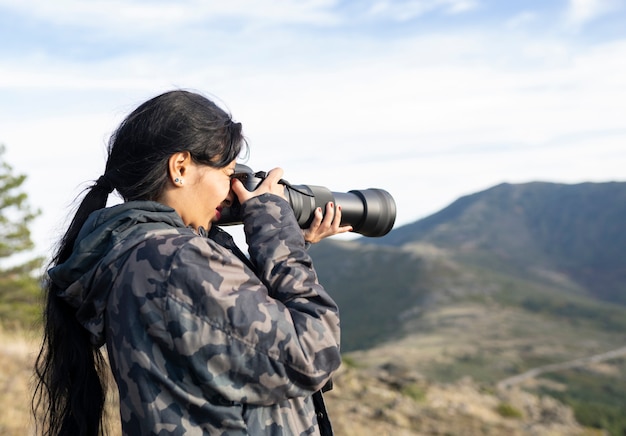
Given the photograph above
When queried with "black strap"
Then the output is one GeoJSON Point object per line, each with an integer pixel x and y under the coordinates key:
{"type": "Point", "coordinates": [323, 421]}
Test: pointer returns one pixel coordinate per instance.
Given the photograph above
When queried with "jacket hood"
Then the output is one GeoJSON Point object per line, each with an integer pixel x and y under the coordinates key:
{"type": "Point", "coordinates": [84, 280]}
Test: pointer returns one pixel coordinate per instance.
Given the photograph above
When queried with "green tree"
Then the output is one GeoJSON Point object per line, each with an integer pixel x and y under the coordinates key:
{"type": "Point", "coordinates": [19, 282]}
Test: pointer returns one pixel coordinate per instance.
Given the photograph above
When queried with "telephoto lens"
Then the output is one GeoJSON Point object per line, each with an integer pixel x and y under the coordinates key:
{"type": "Point", "coordinates": [371, 212]}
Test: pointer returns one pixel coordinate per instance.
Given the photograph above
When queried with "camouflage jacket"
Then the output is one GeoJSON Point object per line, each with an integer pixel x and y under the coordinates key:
{"type": "Point", "coordinates": [201, 341]}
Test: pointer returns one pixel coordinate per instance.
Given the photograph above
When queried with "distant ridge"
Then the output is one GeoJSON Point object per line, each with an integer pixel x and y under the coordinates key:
{"type": "Point", "coordinates": [575, 229]}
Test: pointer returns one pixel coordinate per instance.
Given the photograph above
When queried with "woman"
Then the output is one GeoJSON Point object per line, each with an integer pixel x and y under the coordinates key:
{"type": "Point", "coordinates": [201, 339]}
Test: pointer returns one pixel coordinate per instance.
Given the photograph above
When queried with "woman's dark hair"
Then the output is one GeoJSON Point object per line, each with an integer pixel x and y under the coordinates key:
{"type": "Point", "coordinates": [70, 371]}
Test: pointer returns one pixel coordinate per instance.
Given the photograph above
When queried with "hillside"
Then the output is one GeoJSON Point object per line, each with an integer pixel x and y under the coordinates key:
{"type": "Point", "coordinates": [498, 284]}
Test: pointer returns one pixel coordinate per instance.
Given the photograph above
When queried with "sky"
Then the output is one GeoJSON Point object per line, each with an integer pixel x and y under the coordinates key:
{"type": "Point", "coordinates": [430, 100]}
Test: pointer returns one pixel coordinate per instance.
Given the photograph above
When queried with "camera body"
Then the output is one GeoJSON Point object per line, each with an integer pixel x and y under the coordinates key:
{"type": "Point", "coordinates": [370, 212]}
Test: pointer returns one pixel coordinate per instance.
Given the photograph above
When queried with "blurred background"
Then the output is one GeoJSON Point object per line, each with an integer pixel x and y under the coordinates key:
{"type": "Point", "coordinates": [497, 304]}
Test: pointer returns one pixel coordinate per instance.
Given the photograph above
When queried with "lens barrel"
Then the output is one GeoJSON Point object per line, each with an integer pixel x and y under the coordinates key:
{"type": "Point", "coordinates": [370, 212]}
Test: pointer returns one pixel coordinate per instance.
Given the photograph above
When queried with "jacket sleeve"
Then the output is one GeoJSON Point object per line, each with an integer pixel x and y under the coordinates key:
{"type": "Point", "coordinates": [254, 337]}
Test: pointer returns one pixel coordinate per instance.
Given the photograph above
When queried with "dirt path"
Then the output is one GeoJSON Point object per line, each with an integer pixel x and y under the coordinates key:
{"type": "Point", "coordinates": [583, 361]}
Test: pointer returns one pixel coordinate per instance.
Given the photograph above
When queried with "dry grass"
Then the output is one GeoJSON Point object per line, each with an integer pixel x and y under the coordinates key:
{"type": "Point", "coordinates": [18, 351]}
{"type": "Point", "coordinates": [17, 354]}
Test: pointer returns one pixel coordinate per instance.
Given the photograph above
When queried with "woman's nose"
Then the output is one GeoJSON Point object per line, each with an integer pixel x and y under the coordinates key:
{"type": "Point", "coordinates": [228, 201]}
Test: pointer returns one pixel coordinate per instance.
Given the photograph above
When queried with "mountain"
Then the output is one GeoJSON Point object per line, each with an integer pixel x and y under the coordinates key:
{"type": "Point", "coordinates": [516, 282]}
{"type": "Point", "coordinates": [575, 230]}
{"type": "Point", "coordinates": [563, 245]}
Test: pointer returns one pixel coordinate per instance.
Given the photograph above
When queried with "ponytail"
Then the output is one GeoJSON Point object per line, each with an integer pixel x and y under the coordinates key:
{"type": "Point", "coordinates": [70, 373]}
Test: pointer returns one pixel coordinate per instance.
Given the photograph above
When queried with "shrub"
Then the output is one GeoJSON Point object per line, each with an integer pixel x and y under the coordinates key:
{"type": "Point", "coordinates": [508, 411]}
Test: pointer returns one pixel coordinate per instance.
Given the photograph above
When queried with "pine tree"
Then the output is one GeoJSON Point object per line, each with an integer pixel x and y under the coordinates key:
{"type": "Point", "coordinates": [19, 284]}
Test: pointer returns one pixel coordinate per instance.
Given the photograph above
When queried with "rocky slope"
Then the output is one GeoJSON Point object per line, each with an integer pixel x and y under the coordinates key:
{"type": "Point", "coordinates": [395, 402]}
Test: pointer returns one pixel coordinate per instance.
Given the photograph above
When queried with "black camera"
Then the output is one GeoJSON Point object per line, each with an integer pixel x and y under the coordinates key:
{"type": "Point", "coordinates": [370, 212]}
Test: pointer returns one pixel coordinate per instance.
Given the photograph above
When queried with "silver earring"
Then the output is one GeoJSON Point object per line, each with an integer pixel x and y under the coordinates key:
{"type": "Point", "coordinates": [177, 180]}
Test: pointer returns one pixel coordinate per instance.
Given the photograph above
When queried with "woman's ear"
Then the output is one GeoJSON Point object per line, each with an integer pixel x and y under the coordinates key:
{"type": "Point", "coordinates": [178, 165]}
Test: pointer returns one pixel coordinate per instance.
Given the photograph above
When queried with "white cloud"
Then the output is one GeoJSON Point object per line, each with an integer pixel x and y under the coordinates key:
{"type": "Point", "coordinates": [133, 16]}
{"type": "Point", "coordinates": [521, 20]}
{"type": "Point", "coordinates": [410, 9]}
{"type": "Point", "coordinates": [580, 12]}
{"type": "Point", "coordinates": [460, 6]}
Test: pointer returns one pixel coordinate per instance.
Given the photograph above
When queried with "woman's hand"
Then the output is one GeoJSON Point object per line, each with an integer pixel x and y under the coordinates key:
{"type": "Point", "coordinates": [324, 225]}
{"type": "Point", "coordinates": [268, 185]}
